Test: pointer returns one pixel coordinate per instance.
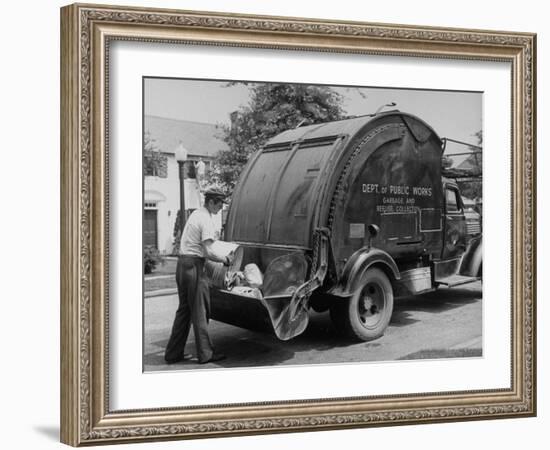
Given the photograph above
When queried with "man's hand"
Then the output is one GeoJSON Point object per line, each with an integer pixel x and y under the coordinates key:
{"type": "Point", "coordinates": [229, 259]}
{"type": "Point", "coordinates": [212, 255]}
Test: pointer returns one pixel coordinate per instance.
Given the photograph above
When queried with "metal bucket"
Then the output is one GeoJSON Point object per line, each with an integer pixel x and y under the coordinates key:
{"type": "Point", "coordinates": [218, 273]}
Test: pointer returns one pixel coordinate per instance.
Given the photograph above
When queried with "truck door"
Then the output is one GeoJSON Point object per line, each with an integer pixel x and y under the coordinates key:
{"type": "Point", "coordinates": [454, 243]}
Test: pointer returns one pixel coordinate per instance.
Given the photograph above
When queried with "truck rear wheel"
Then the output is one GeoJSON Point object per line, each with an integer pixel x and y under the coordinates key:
{"type": "Point", "coordinates": [366, 315]}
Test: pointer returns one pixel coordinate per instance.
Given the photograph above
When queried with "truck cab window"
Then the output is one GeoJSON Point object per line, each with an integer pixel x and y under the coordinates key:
{"type": "Point", "coordinates": [452, 201]}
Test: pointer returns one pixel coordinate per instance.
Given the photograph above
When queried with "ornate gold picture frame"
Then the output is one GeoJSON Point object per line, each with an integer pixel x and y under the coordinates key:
{"type": "Point", "coordinates": [87, 33]}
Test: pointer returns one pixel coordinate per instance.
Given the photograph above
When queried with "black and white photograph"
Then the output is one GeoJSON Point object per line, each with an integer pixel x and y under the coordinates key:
{"type": "Point", "coordinates": [298, 224]}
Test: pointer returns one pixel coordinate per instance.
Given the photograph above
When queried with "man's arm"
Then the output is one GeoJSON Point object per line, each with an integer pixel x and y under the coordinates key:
{"type": "Point", "coordinates": [211, 254]}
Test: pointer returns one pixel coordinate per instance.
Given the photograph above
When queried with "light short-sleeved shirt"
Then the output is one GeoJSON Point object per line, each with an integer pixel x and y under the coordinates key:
{"type": "Point", "coordinates": [200, 227]}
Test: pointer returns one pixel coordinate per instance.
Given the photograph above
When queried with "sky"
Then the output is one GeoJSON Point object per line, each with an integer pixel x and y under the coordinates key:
{"type": "Point", "coordinates": [453, 114]}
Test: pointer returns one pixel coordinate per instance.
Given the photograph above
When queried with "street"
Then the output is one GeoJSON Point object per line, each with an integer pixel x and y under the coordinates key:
{"type": "Point", "coordinates": [441, 324]}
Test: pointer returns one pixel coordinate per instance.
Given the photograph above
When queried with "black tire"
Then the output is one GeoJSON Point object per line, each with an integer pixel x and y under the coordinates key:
{"type": "Point", "coordinates": [366, 315]}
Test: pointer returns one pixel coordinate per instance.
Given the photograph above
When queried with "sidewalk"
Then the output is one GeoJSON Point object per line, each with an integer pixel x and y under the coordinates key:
{"type": "Point", "coordinates": [162, 281]}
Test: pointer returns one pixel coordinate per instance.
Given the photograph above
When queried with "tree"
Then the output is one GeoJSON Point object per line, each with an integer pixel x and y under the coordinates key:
{"type": "Point", "coordinates": [473, 188]}
{"type": "Point", "coordinates": [446, 161]}
{"type": "Point", "coordinates": [476, 157]}
{"type": "Point", "coordinates": [273, 108]}
{"type": "Point", "coordinates": [152, 159]}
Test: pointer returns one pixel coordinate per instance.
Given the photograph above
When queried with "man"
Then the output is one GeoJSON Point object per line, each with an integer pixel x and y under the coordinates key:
{"type": "Point", "coordinates": [194, 297]}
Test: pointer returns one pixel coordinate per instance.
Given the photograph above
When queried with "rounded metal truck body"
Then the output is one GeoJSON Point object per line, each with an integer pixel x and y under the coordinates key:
{"type": "Point", "coordinates": [363, 203]}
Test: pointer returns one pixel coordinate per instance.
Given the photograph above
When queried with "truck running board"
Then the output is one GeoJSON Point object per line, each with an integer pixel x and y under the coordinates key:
{"type": "Point", "coordinates": [455, 280]}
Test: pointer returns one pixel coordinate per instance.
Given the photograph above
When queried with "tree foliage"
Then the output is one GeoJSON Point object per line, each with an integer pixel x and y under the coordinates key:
{"type": "Point", "coordinates": [151, 155]}
{"type": "Point", "coordinates": [473, 188]}
{"type": "Point", "coordinates": [273, 108]}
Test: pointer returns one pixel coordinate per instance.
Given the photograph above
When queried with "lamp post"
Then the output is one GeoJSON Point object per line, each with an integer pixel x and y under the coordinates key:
{"type": "Point", "coordinates": [181, 157]}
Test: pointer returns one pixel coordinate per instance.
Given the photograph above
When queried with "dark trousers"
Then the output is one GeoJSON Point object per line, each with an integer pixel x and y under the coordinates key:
{"type": "Point", "coordinates": [194, 308]}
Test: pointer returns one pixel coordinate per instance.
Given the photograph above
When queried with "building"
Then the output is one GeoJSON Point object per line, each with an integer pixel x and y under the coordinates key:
{"type": "Point", "coordinates": [161, 185]}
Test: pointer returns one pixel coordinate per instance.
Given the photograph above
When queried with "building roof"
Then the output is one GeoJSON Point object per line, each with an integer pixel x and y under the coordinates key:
{"type": "Point", "coordinates": [200, 139]}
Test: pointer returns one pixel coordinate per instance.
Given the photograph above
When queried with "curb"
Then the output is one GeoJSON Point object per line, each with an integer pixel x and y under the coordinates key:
{"type": "Point", "coordinates": [160, 292]}
{"type": "Point", "coordinates": [160, 277]}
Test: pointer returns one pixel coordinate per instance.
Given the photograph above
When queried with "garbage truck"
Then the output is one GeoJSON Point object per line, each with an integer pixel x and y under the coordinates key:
{"type": "Point", "coordinates": [344, 217]}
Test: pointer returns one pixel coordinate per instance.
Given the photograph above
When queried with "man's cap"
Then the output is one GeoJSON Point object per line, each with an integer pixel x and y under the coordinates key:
{"type": "Point", "coordinates": [215, 193]}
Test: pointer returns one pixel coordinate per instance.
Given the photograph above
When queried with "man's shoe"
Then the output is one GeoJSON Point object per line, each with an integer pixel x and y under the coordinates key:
{"type": "Point", "coordinates": [215, 357]}
{"type": "Point", "coordinates": [182, 358]}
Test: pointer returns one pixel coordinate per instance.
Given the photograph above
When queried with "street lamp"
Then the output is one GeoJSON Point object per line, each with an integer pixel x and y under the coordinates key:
{"type": "Point", "coordinates": [181, 157]}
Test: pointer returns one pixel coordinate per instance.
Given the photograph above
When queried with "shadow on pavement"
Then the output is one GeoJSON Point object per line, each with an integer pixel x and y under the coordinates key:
{"type": "Point", "coordinates": [444, 353]}
{"type": "Point", "coordinates": [432, 302]}
{"type": "Point", "coordinates": [243, 348]}
{"type": "Point", "coordinates": [321, 335]}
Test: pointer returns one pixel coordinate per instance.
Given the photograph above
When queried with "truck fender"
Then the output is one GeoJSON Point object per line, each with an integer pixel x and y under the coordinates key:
{"type": "Point", "coordinates": [471, 262]}
{"type": "Point", "coordinates": [358, 264]}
